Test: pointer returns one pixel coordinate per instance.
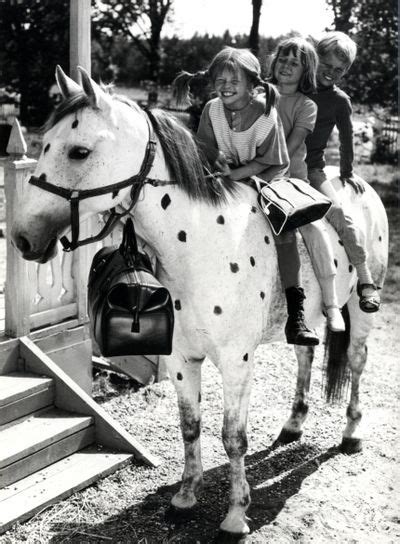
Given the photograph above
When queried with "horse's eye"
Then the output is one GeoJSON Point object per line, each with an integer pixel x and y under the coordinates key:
{"type": "Point", "coordinates": [79, 153]}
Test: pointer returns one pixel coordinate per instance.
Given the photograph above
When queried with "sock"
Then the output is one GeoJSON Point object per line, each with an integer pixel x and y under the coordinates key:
{"type": "Point", "coordinates": [328, 289]}
{"type": "Point", "coordinates": [363, 273]}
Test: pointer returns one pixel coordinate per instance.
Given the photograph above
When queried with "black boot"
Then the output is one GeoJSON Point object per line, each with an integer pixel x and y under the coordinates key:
{"type": "Point", "coordinates": [296, 330]}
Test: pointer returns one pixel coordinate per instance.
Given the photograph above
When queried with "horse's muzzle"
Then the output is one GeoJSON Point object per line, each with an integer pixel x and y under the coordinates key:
{"type": "Point", "coordinates": [29, 251]}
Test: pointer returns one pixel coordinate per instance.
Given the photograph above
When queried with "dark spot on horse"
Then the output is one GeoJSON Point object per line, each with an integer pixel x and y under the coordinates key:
{"type": "Point", "coordinates": [165, 201]}
{"type": "Point", "coordinates": [217, 310]}
{"type": "Point", "coordinates": [350, 268]}
{"type": "Point", "coordinates": [335, 262]}
{"type": "Point", "coordinates": [252, 261]}
{"type": "Point", "coordinates": [340, 242]}
{"type": "Point", "coordinates": [351, 289]}
{"type": "Point", "coordinates": [301, 408]}
{"type": "Point", "coordinates": [199, 398]}
{"type": "Point", "coordinates": [182, 236]}
{"type": "Point", "coordinates": [178, 305]}
{"type": "Point", "coordinates": [179, 376]}
{"type": "Point", "coordinates": [380, 238]}
{"type": "Point", "coordinates": [220, 220]}
{"type": "Point", "coordinates": [191, 431]}
{"type": "Point", "coordinates": [253, 209]}
{"type": "Point", "coordinates": [75, 123]}
{"type": "Point", "coordinates": [46, 148]}
{"type": "Point", "coordinates": [266, 239]}
{"type": "Point", "coordinates": [262, 295]}
{"type": "Point", "coordinates": [234, 267]}
{"type": "Point", "coordinates": [244, 501]}
{"type": "Point", "coordinates": [246, 357]}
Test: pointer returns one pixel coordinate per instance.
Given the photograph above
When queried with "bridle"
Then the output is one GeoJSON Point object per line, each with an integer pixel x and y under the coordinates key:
{"type": "Point", "coordinates": [74, 196]}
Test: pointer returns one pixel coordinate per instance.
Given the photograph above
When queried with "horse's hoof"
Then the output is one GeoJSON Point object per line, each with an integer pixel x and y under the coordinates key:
{"type": "Point", "coordinates": [350, 445]}
{"type": "Point", "coordinates": [179, 515]}
{"type": "Point", "coordinates": [223, 537]}
{"type": "Point", "coordinates": [287, 437]}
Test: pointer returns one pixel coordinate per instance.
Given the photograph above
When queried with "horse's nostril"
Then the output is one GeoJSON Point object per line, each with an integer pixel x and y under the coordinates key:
{"type": "Point", "coordinates": [22, 244]}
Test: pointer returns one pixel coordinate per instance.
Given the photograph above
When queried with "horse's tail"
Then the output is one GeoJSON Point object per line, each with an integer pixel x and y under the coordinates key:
{"type": "Point", "coordinates": [335, 366]}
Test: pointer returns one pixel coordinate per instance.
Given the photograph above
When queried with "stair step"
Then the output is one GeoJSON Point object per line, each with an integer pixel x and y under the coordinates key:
{"type": "Point", "coordinates": [58, 481]}
{"type": "Point", "coordinates": [21, 394]}
{"type": "Point", "coordinates": [36, 435]}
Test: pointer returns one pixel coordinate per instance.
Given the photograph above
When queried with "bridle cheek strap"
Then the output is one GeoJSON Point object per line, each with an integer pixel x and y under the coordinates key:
{"type": "Point", "coordinates": [75, 196]}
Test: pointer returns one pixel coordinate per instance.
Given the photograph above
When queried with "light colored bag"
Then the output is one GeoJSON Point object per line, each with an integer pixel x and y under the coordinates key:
{"type": "Point", "coordinates": [290, 203]}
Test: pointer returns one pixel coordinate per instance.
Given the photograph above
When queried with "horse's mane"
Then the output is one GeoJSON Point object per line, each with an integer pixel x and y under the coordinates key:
{"type": "Point", "coordinates": [184, 157]}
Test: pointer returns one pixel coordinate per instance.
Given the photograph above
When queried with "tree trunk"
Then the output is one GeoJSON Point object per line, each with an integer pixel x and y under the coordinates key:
{"type": "Point", "coordinates": [254, 37]}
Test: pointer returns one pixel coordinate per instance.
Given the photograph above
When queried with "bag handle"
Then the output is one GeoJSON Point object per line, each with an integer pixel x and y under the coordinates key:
{"type": "Point", "coordinates": [129, 245]}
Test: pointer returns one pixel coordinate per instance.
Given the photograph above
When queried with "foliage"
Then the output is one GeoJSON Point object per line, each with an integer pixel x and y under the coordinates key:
{"type": "Point", "coordinates": [34, 38]}
{"type": "Point", "coordinates": [140, 21]}
{"type": "Point", "coordinates": [373, 78]}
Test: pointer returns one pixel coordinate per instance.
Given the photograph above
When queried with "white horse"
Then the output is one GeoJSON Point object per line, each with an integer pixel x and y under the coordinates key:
{"type": "Point", "coordinates": [216, 256]}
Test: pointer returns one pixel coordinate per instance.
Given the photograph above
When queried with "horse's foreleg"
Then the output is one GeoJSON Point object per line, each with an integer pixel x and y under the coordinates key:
{"type": "Point", "coordinates": [292, 429]}
{"type": "Point", "coordinates": [361, 324]}
{"type": "Point", "coordinates": [186, 376]}
{"type": "Point", "coordinates": [237, 378]}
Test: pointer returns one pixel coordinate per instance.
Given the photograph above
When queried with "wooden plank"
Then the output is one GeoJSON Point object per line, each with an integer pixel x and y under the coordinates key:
{"type": "Point", "coordinates": [9, 355]}
{"type": "Point", "coordinates": [58, 481]}
{"type": "Point", "coordinates": [47, 456]}
{"type": "Point", "coordinates": [27, 405]}
{"type": "Point", "coordinates": [53, 315]}
{"type": "Point", "coordinates": [37, 432]}
{"type": "Point", "coordinates": [69, 396]}
{"type": "Point", "coordinates": [16, 386]}
{"type": "Point", "coordinates": [18, 286]}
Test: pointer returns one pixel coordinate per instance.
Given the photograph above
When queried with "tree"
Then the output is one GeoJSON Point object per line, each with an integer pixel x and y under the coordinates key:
{"type": "Point", "coordinates": [139, 20]}
{"type": "Point", "coordinates": [254, 37]}
{"type": "Point", "coordinates": [34, 38]}
{"type": "Point", "coordinates": [373, 78]}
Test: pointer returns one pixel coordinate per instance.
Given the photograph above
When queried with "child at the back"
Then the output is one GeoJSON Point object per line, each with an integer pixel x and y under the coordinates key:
{"type": "Point", "coordinates": [293, 69]}
{"type": "Point", "coordinates": [336, 53]}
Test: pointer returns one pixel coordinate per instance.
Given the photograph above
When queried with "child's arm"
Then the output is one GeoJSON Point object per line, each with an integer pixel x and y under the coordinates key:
{"type": "Point", "coordinates": [206, 138]}
{"type": "Point", "coordinates": [345, 129]}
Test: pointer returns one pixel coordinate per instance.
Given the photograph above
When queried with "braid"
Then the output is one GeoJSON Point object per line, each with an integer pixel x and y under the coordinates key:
{"type": "Point", "coordinates": [271, 94]}
{"type": "Point", "coordinates": [182, 82]}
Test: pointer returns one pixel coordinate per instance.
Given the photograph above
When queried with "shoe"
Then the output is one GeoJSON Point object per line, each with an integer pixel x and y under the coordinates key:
{"type": "Point", "coordinates": [369, 298]}
{"type": "Point", "coordinates": [296, 330]}
{"type": "Point", "coordinates": [334, 319]}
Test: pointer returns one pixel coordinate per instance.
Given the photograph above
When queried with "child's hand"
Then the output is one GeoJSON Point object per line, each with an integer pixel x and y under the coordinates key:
{"type": "Point", "coordinates": [221, 164]}
{"type": "Point", "coordinates": [358, 186]}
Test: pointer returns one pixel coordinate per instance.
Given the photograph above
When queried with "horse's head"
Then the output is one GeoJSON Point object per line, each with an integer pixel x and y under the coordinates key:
{"type": "Point", "coordinates": [91, 141]}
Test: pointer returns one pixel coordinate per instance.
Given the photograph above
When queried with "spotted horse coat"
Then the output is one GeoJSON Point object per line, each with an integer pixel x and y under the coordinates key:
{"type": "Point", "coordinates": [215, 256]}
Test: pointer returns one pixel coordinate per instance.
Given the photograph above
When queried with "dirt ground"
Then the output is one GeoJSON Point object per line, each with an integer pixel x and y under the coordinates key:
{"type": "Point", "coordinates": [306, 492]}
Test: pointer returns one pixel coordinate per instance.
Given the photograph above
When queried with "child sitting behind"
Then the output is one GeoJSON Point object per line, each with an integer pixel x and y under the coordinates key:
{"type": "Point", "coordinates": [293, 68]}
{"type": "Point", "coordinates": [241, 133]}
{"type": "Point", "coordinates": [336, 53]}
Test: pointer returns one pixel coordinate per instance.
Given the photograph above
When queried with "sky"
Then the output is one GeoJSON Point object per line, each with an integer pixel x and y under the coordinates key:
{"type": "Point", "coordinates": [277, 17]}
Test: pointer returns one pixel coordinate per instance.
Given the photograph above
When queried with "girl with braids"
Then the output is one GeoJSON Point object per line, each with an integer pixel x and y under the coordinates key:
{"type": "Point", "coordinates": [242, 136]}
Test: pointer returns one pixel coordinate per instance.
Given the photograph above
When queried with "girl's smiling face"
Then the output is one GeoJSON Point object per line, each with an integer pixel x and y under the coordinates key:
{"type": "Point", "coordinates": [288, 69]}
{"type": "Point", "coordinates": [233, 88]}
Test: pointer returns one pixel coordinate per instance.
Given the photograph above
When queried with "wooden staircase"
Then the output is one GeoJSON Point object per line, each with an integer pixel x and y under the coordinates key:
{"type": "Point", "coordinates": [54, 439]}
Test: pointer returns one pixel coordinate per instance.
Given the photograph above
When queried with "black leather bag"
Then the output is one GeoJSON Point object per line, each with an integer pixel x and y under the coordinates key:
{"type": "Point", "coordinates": [290, 203]}
{"type": "Point", "coordinates": [130, 312]}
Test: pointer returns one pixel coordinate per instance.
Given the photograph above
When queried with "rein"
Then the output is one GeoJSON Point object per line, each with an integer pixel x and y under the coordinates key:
{"type": "Point", "coordinates": [75, 196]}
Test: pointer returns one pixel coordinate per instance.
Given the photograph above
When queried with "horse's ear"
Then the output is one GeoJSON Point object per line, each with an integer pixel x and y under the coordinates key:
{"type": "Point", "coordinates": [67, 86]}
{"type": "Point", "coordinates": [98, 98]}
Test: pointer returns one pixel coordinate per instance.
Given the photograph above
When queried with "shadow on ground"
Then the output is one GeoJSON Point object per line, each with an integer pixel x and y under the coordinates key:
{"type": "Point", "coordinates": [274, 476]}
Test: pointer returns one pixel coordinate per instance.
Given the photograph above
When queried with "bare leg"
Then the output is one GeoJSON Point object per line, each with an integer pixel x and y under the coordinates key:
{"type": "Point", "coordinates": [237, 378]}
{"type": "Point", "coordinates": [292, 429]}
{"type": "Point", "coordinates": [186, 376]}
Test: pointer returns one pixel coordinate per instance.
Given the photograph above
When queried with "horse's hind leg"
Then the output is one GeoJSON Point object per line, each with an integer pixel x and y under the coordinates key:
{"type": "Point", "coordinates": [361, 324]}
{"type": "Point", "coordinates": [237, 378]}
{"type": "Point", "coordinates": [186, 376]}
{"type": "Point", "coordinates": [292, 429]}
